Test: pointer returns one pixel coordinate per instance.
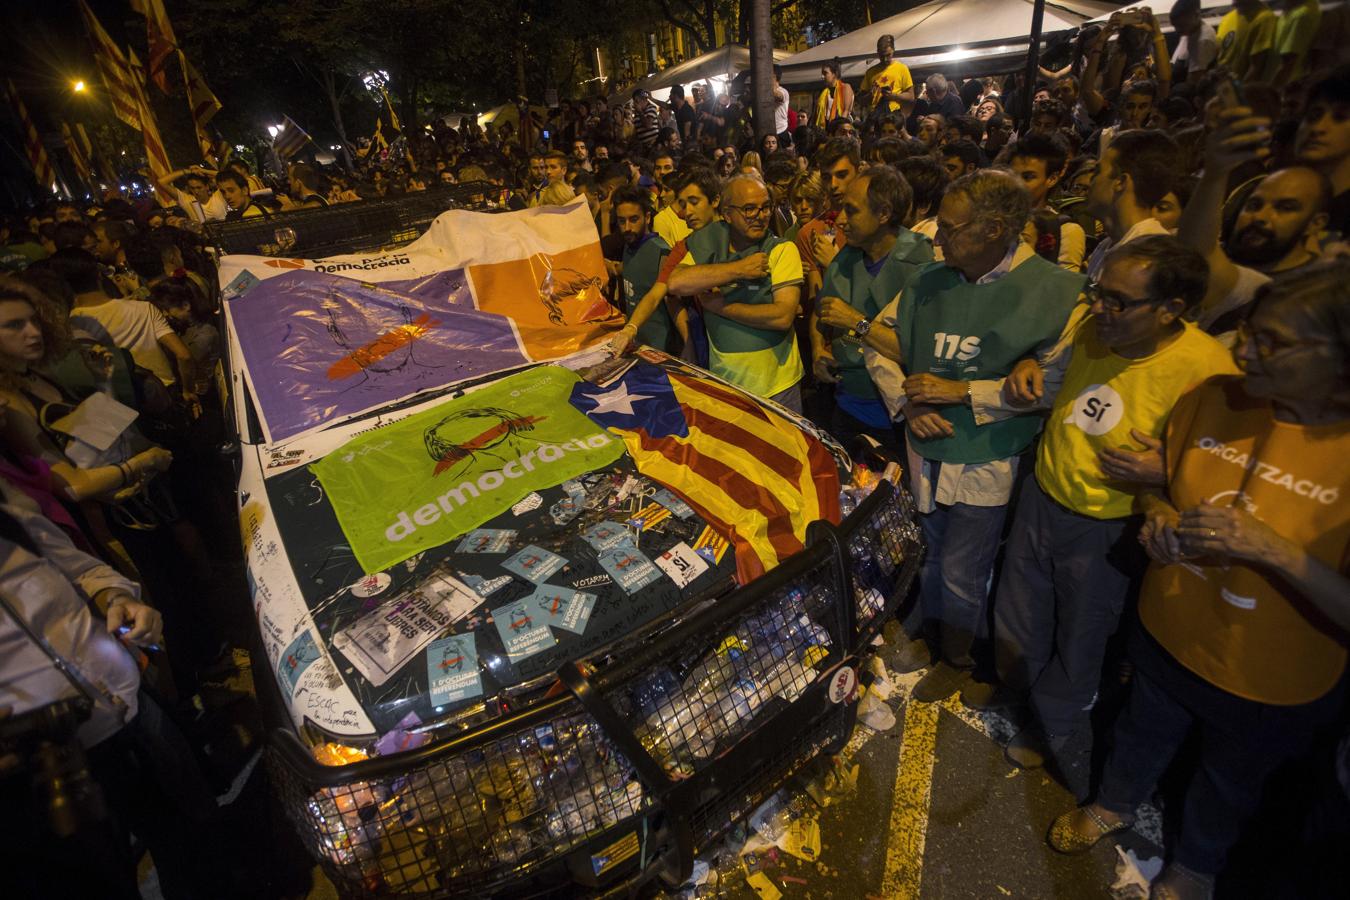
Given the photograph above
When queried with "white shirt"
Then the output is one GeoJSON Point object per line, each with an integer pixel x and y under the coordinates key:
{"type": "Point", "coordinates": [975, 484]}
{"type": "Point", "coordinates": [780, 111]}
{"type": "Point", "coordinates": [213, 210]}
{"type": "Point", "coordinates": [1206, 49]}
{"type": "Point", "coordinates": [1097, 261]}
{"type": "Point", "coordinates": [1244, 289]}
{"type": "Point", "coordinates": [133, 325]}
{"type": "Point", "coordinates": [49, 592]}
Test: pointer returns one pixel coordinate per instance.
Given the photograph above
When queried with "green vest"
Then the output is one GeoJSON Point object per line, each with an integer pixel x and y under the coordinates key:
{"type": "Point", "coordinates": [640, 268]}
{"type": "Point", "coordinates": [975, 332]}
{"type": "Point", "coordinates": [712, 244]}
{"type": "Point", "coordinates": [759, 360]}
{"type": "Point", "coordinates": [847, 277]}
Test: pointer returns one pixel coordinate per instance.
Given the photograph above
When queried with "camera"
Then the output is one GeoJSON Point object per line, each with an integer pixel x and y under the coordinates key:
{"type": "Point", "coordinates": [44, 740]}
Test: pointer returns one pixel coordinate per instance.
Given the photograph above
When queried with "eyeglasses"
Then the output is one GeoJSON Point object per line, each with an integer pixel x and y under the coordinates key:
{"type": "Point", "coordinates": [752, 211]}
{"type": "Point", "coordinates": [951, 230]}
{"type": "Point", "coordinates": [1268, 345]}
{"type": "Point", "coordinates": [1111, 301]}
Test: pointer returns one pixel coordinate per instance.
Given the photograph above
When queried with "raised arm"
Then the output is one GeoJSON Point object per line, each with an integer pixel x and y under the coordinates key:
{"type": "Point", "coordinates": [688, 280]}
{"type": "Point", "coordinates": [1240, 137]}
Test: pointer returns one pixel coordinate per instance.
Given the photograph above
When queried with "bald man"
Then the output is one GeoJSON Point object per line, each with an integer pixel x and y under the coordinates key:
{"type": "Point", "coordinates": [1276, 233]}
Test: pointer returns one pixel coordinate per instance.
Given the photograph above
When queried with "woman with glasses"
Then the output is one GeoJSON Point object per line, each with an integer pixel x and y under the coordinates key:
{"type": "Point", "coordinates": [1246, 609]}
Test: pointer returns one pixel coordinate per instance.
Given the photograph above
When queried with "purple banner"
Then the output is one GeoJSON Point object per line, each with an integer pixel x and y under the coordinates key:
{"type": "Point", "coordinates": [446, 288]}
{"type": "Point", "coordinates": [320, 347]}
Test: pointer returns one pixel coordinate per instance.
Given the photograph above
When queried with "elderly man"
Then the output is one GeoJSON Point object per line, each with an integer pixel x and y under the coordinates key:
{"type": "Point", "coordinates": [880, 258]}
{"type": "Point", "coordinates": [961, 327]}
{"type": "Point", "coordinates": [749, 286]}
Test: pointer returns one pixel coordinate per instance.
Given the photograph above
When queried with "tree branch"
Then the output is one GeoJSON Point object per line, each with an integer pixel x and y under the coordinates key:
{"type": "Point", "coordinates": [685, 24]}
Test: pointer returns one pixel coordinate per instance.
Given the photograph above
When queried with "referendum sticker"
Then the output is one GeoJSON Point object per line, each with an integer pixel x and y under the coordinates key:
{"type": "Point", "coordinates": [452, 670]}
{"type": "Point", "coordinates": [523, 630]}
{"type": "Point", "coordinates": [486, 587]}
{"type": "Point", "coordinates": [630, 569]}
{"type": "Point", "coordinates": [534, 563]}
{"type": "Point", "coordinates": [681, 564]}
{"type": "Point", "coordinates": [563, 607]}
{"type": "Point", "coordinates": [569, 507]}
{"type": "Point", "coordinates": [667, 499]}
{"type": "Point", "coordinates": [487, 540]}
{"type": "Point", "coordinates": [296, 658]}
{"type": "Point", "coordinates": [606, 535]}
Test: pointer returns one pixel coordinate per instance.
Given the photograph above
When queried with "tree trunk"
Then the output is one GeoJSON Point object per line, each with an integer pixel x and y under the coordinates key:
{"type": "Point", "coordinates": [761, 68]}
{"type": "Point", "coordinates": [330, 89]}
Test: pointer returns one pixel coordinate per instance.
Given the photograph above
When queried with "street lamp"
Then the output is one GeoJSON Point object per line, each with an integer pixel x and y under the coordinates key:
{"type": "Point", "coordinates": [78, 87]}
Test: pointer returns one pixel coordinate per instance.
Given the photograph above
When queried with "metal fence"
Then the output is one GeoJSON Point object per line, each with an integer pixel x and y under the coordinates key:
{"type": "Point", "coordinates": [640, 764]}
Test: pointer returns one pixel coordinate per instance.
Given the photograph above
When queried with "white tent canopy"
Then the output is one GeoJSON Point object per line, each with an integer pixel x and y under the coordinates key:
{"type": "Point", "coordinates": [945, 35]}
{"type": "Point", "coordinates": [716, 67]}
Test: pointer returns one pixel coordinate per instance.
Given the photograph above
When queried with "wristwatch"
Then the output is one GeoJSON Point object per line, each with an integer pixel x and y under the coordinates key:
{"type": "Point", "coordinates": [863, 326]}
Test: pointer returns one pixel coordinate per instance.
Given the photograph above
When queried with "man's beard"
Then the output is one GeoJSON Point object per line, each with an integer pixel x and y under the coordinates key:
{"type": "Point", "coordinates": [1266, 250]}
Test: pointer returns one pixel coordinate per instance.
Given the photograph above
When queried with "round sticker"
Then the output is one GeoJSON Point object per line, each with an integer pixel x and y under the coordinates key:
{"type": "Point", "coordinates": [842, 684]}
{"type": "Point", "coordinates": [372, 585]}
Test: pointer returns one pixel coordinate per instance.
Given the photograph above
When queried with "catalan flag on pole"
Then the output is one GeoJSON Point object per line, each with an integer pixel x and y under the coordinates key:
{"type": "Point", "coordinates": [159, 38]}
{"type": "Point", "coordinates": [155, 154]}
{"type": "Point", "coordinates": [203, 105]}
{"type": "Point", "coordinates": [116, 71]}
{"type": "Point", "coordinates": [79, 155]}
{"type": "Point", "coordinates": [32, 141]}
{"type": "Point", "coordinates": [755, 477]}
{"type": "Point", "coordinates": [290, 140]}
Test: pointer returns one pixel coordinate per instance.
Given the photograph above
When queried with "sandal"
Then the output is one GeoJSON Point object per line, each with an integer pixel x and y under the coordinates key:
{"type": "Point", "coordinates": [1066, 838]}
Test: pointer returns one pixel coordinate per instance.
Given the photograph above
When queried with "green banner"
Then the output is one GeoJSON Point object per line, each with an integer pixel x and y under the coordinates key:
{"type": "Point", "coordinates": [420, 482]}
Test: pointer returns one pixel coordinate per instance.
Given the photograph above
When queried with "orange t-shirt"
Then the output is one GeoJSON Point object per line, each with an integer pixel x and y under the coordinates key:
{"type": "Point", "coordinates": [1236, 625]}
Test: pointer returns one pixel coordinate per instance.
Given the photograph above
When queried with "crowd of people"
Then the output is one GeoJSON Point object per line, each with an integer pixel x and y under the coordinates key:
{"type": "Point", "coordinates": [1111, 347]}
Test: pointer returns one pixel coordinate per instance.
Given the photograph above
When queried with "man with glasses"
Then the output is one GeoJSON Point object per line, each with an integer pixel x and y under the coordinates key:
{"type": "Point", "coordinates": [748, 283]}
{"type": "Point", "coordinates": [1072, 549]}
{"type": "Point", "coordinates": [961, 326]}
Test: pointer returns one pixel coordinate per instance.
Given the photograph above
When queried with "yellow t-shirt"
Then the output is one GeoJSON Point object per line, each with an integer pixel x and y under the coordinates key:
{"type": "Point", "coordinates": [763, 372]}
{"type": "Point", "coordinates": [670, 226]}
{"type": "Point", "coordinates": [894, 76]}
{"type": "Point", "coordinates": [1102, 398]}
{"type": "Point", "coordinates": [1233, 624]}
{"type": "Point", "coordinates": [1295, 34]}
{"type": "Point", "coordinates": [1242, 37]}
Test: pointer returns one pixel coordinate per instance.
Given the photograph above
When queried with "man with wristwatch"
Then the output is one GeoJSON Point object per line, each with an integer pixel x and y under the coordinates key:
{"type": "Point", "coordinates": [880, 258]}
{"type": "Point", "coordinates": [960, 327]}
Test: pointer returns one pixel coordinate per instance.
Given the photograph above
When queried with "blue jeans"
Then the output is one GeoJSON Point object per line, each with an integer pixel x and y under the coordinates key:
{"type": "Point", "coordinates": [790, 397]}
{"type": "Point", "coordinates": [962, 542]}
{"type": "Point", "coordinates": [1060, 594]}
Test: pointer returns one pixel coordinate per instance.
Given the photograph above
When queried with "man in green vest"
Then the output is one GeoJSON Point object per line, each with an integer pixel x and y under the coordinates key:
{"type": "Point", "coordinates": [961, 326]}
{"type": "Point", "coordinates": [880, 258]}
{"type": "Point", "coordinates": [748, 283]}
{"type": "Point", "coordinates": [643, 253]}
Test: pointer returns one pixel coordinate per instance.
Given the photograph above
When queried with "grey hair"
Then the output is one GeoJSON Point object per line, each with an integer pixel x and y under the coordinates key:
{"type": "Point", "coordinates": [736, 179]}
{"type": "Point", "coordinates": [937, 83]}
{"type": "Point", "coordinates": [995, 196]}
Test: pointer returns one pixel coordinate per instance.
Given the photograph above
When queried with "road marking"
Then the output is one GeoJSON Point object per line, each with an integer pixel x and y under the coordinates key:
{"type": "Point", "coordinates": [910, 801]}
{"type": "Point", "coordinates": [913, 792]}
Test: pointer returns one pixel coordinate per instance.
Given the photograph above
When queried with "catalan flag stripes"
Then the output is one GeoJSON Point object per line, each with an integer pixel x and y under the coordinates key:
{"type": "Point", "coordinates": [32, 141]}
{"type": "Point", "coordinates": [79, 155]}
{"type": "Point", "coordinates": [751, 474]}
{"type": "Point", "coordinates": [114, 68]}
{"type": "Point", "coordinates": [203, 105]}
{"type": "Point", "coordinates": [155, 154]}
{"type": "Point", "coordinates": [159, 38]}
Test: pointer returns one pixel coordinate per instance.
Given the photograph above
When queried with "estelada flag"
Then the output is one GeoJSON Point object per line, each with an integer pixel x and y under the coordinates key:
{"type": "Point", "coordinates": [755, 477]}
